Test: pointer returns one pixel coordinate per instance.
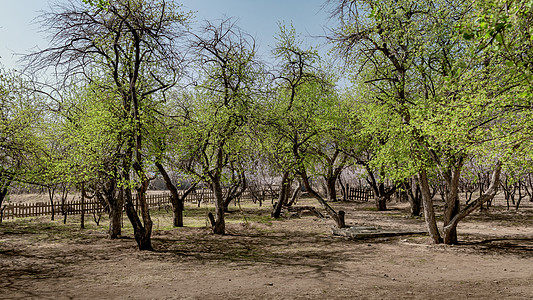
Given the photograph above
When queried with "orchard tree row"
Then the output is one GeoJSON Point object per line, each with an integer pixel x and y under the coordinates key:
{"type": "Point", "coordinates": [127, 91]}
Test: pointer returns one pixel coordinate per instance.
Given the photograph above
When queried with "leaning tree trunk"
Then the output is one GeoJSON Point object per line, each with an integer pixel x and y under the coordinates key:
{"type": "Point", "coordinates": [429, 211]}
{"type": "Point", "coordinates": [338, 217]}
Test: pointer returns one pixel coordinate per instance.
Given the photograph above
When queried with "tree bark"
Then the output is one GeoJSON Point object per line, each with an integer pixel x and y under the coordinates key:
{"type": "Point", "coordinates": [295, 195]}
{"type": "Point", "coordinates": [82, 217]}
{"type": "Point", "coordinates": [176, 201]}
{"type": "Point", "coordinates": [337, 217]}
{"type": "Point", "coordinates": [414, 195]}
{"type": "Point", "coordinates": [452, 205]}
{"type": "Point", "coordinates": [141, 233]}
{"type": "Point", "coordinates": [220, 225]}
{"type": "Point", "coordinates": [330, 187]}
{"type": "Point", "coordinates": [276, 211]}
{"type": "Point", "coordinates": [472, 206]}
{"type": "Point", "coordinates": [429, 211]}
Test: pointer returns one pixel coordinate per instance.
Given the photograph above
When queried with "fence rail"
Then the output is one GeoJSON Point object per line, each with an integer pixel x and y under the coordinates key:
{"type": "Point", "coordinates": [359, 194]}
{"type": "Point", "coordinates": [89, 206]}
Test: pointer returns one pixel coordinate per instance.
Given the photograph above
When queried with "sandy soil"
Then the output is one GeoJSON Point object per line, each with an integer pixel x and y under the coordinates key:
{"type": "Point", "coordinates": [293, 258]}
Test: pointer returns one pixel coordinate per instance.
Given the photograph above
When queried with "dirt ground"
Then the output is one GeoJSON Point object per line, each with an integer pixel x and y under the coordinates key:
{"type": "Point", "coordinates": [261, 258]}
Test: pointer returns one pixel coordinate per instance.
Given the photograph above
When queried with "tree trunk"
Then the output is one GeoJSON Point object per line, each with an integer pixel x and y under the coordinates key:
{"type": "Point", "coordinates": [115, 212]}
{"type": "Point", "coordinates": [452, 205]}
{"type": "Point", "coordinates": [234, 192]}
{"type": "Point", "coordinates": [296, 193]}
{"type": "Point", "coordinates": [468, 209]}
{"type": "Point", "coordinates": [330, 187]}
{"type": "Point", "coordinates": [343, 190]}
{"type": "Point", "coordinates": [141, 233]}
{"type": "Point", "coordinates": [337, 217]}
{"type": "Point", "coordinates": [176, 201]}
{"type": "Point", "coordinates": [415, 198]}
{"type": "Point", "coordinates": [381, 203]}
{"type": "Point", "coordinates": [82, 217]}
{"type": "Point", "coordinates": [115, 205]}
{"type": "Point", "coordinates": [220, 225]}
{"type": "Point", "coordinates": [51, 192]}
{"type": "Point", "coordinates": [429, 211]}
{"type": "Point", "coordinates": [380, 195]}
{"type": "Point", "coordinates": [4, 189]}
{"type": "Point", "coordinates": [276, 211]}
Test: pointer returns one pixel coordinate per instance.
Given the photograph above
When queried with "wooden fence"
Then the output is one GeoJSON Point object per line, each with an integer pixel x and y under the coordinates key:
{"type": "Point", "coordinates": [22, 210]}
{"type": "Point", "coordinates": [75, 207]}
{"type": "Point", "coordinates": [359, 194]}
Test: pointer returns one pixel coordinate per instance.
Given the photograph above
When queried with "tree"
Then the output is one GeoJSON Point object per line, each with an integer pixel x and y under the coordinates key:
{"type": "Point", "coordinates": [405, 52]}
{"type": "Point", "coordinates": [215, 133]}
{"type": "Point", "coordinates": [90, 129]}
{"type": "Point", "coordinates": [21, 118]}
{"type": "Point", "coordinates": [133, 46]}
{"type": "Point", "coordinates": [300, 115]}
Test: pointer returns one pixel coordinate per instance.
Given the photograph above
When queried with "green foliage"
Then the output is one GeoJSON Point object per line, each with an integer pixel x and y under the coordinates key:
{"type": "Point", "coordinates": [21, 130]}
{"type": "Point", "coordinates": [97, 3]}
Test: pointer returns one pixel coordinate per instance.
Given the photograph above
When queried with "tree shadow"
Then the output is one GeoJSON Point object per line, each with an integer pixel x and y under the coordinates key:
{"type": "Point", "coordinates": [312, 254]}
{"type": "Point", "coordinates": [521, 247]}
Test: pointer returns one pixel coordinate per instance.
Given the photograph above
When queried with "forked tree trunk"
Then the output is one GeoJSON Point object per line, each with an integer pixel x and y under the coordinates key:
{"type": "Point", "coordinates": [177, 202]}
{"type": "Point", "coordinates": [295, 194]}
{"type": "Point", "coordinates": [142, 233]}
{"type": "Point", "coordinates": [381, 196]}
{"type": "Point", "coordinates": [235, 190]}
{"type": "Point", "coordinates": [472, 206]}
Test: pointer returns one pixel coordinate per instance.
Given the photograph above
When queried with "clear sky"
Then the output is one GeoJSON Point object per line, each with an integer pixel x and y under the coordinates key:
{"type": "Point", "coordinates": [19, 33]}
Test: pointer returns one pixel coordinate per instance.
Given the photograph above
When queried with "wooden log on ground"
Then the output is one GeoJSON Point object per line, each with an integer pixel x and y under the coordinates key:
{"type": "Point", "coordinates": [358, 232]}
{"type": "Point", "coordinates": [300, 209]}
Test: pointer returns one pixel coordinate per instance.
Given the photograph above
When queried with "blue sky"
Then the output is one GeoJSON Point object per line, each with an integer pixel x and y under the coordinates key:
{"type": "Point", "coordinates": [19, 33]}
